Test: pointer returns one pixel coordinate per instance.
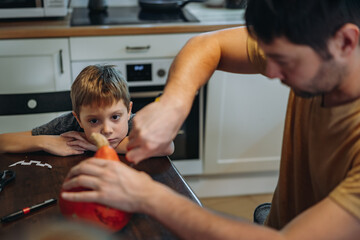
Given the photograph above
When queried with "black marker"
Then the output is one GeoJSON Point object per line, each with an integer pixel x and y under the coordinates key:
{"type": "Point", "coordinates": [27, 210]}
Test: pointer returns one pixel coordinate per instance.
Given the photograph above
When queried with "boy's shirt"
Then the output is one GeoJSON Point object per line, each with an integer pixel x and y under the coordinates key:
{"type": "Point", "coordinates": [64, 123]}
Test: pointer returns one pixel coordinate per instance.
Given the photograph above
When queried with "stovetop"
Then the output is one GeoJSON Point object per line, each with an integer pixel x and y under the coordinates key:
{"type": "Point", "coordinates": [128, 15]}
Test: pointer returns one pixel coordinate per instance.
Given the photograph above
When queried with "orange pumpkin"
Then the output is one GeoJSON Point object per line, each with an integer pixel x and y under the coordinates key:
{"type": "Point", "coordinates": [104, 216]}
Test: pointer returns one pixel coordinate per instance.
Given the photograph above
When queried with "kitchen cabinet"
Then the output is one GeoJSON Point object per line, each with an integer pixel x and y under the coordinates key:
{"type": "Point", "coordinates": [30, 69]}
{"type": "Point", "coordinates": [119, 50]}
{"type": "Point", "coordinates": [127, 47]}
{"type": "Point", "coordinates": [244, 123]}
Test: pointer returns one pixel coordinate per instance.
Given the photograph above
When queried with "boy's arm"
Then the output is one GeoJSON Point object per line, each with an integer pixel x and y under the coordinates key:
{"type": "Point", "coordinates": [21, 142]}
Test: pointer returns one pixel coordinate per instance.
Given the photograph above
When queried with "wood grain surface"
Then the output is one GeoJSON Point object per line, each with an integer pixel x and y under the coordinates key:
{"type": "Point", "coordinates": [37, 182]}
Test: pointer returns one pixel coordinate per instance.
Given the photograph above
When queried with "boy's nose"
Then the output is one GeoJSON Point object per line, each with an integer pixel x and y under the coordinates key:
{"type": "Point", "coordinates": [106, 129]}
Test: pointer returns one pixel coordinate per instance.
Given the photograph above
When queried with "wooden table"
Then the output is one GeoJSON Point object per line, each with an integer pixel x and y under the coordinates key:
{"type": "Point", "coordinates": [42, 180]}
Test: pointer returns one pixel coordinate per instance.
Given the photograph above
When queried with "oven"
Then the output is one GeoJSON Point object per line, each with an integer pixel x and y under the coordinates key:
{"type": "Point", "coordinates": [146, 79]}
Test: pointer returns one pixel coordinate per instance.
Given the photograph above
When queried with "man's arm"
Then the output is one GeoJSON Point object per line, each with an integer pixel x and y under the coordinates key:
{"type": "Point", "coordinates": [116, 185]}
{"type": "Point", "coordinates": [324, 221]}
{"type": "Point", "coordinates": [21, 142]}
{"type": "Point", "coordinates": [122, 148]}
{"type": "Point", "coordinates": [156, 125]}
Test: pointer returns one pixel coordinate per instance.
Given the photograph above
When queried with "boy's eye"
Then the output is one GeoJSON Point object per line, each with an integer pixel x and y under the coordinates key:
{"type": "Point", "coordinates": [116, 117]}
{"type": "Point", "coordinates": [93, 121]}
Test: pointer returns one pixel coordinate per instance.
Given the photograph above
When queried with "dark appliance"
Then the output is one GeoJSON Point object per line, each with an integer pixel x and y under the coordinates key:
{"type": "Point", "coordinates": [164, 5]}
{"type": "Point", "coordinates": [128, 15]}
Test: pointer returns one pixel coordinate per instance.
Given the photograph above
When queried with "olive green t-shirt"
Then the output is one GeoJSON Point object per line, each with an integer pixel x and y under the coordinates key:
{"type": "Point", "coordinates": [320, 154]}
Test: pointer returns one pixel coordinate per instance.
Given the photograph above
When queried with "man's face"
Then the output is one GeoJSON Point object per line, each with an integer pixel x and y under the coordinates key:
{"type": "Point", "coordinates": [110, 121]}
{"type": "Point", "coordinates": [301, 68]}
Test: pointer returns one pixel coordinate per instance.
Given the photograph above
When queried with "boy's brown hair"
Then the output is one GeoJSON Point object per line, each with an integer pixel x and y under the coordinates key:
{"type": "Point", "coordinates": [102, 85]}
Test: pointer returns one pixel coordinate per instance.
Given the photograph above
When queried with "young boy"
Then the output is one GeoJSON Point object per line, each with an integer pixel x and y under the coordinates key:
{"type": "Point", "coordinates": [101, 103]}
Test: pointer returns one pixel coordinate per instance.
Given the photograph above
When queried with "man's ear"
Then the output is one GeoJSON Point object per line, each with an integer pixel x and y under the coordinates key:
{"type": "Point", "coordinates": [130, 108]}
{"type": "Point", "coordinates": [77, 118]}
{"type": "Point", "coordinates": [346, 40]}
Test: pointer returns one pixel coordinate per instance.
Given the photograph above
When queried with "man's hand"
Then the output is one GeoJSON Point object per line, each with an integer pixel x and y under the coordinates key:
{"type": "Point", "coordinates": [110, 183]}
{"type": "Point", "coordinates": [154, 128]}
{"type": "Point", "coordinates": [77, 140]}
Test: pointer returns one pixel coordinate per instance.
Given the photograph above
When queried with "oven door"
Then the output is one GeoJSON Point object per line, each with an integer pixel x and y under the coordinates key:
{"type": "Point", "coordinates": [187, 156]}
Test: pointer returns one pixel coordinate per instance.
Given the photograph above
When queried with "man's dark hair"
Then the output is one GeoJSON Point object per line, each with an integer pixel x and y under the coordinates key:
{"type": "Point", "coordinates": [307, 22]}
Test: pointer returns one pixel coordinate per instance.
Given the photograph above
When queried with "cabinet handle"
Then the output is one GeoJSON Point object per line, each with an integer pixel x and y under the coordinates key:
{"type": "Point", "coordinates": [137, 48]}
{"type": "Point", "coordinates": [61, 62]}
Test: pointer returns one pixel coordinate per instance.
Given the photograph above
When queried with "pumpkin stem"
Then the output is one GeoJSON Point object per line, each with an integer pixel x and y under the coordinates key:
{"type": "Point", "coordinates": [99, 140]}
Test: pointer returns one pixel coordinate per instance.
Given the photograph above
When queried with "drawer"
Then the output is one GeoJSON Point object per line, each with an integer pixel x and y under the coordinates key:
{"type": "Point", "coordinates": [26, 122]}
{"type": "Point", "coordinates": [14, 104]}
{"type": "Point", "coordinates": [127, 47]}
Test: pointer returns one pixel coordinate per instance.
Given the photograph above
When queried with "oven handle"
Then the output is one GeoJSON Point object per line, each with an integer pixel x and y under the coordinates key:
{"type": "Point", "coordinates": [153, 94]}
{"type": "Point", "coordinates": [138, 48]}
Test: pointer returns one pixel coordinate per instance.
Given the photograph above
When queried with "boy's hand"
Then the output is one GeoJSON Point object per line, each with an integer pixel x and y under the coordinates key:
{"type": "Point", "coordinates": [58, 145]}
{"type": "Point", "coordinates": [78, 140]}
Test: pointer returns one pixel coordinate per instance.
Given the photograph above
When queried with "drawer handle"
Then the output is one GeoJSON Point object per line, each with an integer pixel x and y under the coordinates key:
{"type": "Point", "coordinates": [138, 48]}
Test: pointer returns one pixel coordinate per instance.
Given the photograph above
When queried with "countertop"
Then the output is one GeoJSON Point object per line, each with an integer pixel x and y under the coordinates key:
{"type": "Point", "coordinates": [39, 176]}
{"type": "Point", "coordinates": [210, 19]}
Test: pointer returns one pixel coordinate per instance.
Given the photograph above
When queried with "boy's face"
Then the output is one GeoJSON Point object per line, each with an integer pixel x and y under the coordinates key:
{"type": "Point", "coordinates": [111, 121]}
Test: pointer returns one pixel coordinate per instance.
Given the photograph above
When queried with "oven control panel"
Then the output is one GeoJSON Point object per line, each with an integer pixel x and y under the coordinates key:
{"type": "Point", "coordinates": [138, 73]}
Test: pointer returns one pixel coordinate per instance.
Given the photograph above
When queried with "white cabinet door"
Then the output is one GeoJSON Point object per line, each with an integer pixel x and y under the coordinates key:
{"type": "Point", "coordinates": [34, 82]}
{"type": "Point", "coordinates": [34, 65]}
{"type": "Point", "coordinates": [244, 123]}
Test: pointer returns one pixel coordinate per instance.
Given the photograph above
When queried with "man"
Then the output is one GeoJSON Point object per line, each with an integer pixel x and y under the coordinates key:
{"type": "Point", "coordinates": [313, 47]}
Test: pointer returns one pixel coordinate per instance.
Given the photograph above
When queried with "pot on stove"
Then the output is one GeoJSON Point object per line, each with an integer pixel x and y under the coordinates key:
{"type": "Point", "coordinates": [164, 5]}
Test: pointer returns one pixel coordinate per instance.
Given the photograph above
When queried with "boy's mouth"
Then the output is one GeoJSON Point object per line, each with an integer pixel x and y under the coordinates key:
{"type": "Point", "coordinates": [111, 140]}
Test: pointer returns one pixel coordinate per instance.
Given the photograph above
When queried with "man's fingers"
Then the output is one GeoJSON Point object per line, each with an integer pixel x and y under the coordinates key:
{"type": "Point", "coordinates": [84, 181]}
{"type": "Point", "coordinates": [134, 140]}
{"type": "Point", "coordinates": [84, 196]}
{"type": "Point", "coordinates": [87, 167]}
{"type": "Point", "coordinates": [136, 155]}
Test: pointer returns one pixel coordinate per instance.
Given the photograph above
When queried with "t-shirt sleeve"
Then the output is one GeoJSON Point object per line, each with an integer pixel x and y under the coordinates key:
{"type": "Point", "coordinates": [256, 55]}
{"type": "Point", "coordinates": [64, 123]}
{"type": "Point", "coordinates": [130, 123]}
{"type": "Point", "coordinates": [347, 193]}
